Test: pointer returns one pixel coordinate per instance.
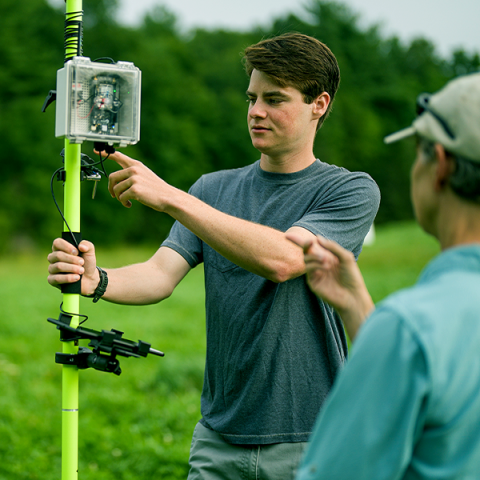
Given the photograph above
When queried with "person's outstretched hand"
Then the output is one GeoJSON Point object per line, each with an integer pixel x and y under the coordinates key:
{"type": "Point", "coordinates": [135, 181]}
{"type": "Point", "coordinates": [334, 276]}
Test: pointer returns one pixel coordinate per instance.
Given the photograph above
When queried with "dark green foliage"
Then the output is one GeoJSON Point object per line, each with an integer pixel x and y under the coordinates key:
{"type": "Point", "coordinates": [194, 111]}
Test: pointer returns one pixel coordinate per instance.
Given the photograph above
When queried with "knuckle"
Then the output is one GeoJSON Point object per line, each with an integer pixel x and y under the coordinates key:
{"type": "Point", "coordinates": [57, 244]}
{"type": "Point", "coordinates": [88, 244]}
{"type": "Point", "coordinates": [350, 257]}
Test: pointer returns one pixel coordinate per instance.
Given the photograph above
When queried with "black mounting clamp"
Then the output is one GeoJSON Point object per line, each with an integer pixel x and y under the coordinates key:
{"type": "Point", "coordinates": [51, 97]}
{"type": "Point", "coordinates": [106, 345]}
{"type": "Point", "coordinates": [85, 358]}
{"type": "Point", "coordinates": [88, 170]}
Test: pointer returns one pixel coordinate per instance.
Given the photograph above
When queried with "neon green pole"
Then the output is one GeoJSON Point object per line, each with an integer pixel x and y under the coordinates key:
{"type": "Point", "coordinates": [71, 301]}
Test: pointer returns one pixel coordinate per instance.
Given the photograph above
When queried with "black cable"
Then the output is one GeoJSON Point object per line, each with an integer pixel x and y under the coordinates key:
{"type": "Point", "coordinates": [88, 165]}
{"type": "Point", "coordinates": [85, 165]}
{"type": "Point", "coordinates": [85, 317]}
{"type": "Point", "coordinates": [61, 169]}
{"type": "Point", "coordinates": [101, 163]}
{"type": "Point", "coordinates": [84, 100]}
{"type": "Point", "coordinates": [105, 58]}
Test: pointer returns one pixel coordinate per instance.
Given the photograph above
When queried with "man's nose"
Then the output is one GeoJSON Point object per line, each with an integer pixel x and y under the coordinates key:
{"type": "Point", "coordinates": [257, 110]}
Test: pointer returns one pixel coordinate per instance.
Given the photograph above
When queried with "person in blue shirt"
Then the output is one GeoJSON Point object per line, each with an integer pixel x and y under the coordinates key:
{"type": "Point", "coordinates": [407, 403]}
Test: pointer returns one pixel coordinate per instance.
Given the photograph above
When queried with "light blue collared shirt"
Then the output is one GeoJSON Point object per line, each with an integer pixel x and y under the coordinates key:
{"type": "Point", "coordinates": [407, 403]}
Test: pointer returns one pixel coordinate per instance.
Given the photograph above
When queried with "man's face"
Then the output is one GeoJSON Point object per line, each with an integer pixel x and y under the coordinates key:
{"type": "Point", "coordinates": [279, 121]}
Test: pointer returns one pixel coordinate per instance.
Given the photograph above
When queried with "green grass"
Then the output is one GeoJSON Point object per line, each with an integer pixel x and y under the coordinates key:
{"type": "Point", "coordinates": [138, 425]}
{"type": "Point", "coordinates": [397, 257]}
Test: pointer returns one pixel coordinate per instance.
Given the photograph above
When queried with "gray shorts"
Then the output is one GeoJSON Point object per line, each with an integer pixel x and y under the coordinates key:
{"type": "Point", "coordinates": [212, 458]}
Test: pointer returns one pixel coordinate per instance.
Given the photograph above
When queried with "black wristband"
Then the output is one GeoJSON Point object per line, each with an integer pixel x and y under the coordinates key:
{"type": "Point", "coordinates": [101, 287]}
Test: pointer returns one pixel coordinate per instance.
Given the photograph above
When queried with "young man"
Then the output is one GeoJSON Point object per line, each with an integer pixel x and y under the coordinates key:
{"type": "Point", "coordinates": [407, 404]}
{"type": "Point", "coordinates": [273, 348]}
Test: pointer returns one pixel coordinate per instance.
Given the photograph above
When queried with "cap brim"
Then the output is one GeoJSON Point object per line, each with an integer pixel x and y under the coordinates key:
{"type": "Point", "coordinates": [400, 135]}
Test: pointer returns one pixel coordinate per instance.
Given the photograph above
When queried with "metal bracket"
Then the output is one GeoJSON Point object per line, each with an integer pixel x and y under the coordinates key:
{"type": "Point", "coordinates": [110, 342]}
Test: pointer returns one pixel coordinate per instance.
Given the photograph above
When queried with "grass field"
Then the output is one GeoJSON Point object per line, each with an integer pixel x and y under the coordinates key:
{"type": "Point", "coordinates": [138, 425]}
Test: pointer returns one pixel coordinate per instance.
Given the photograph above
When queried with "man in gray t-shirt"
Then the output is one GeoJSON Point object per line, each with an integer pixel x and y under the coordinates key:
{"type": "Point", "coordinates": [273, 348]}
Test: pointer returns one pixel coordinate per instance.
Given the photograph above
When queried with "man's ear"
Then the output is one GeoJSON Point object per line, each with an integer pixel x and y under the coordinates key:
{"type": "Point", "coordinates": [320, 104]}
{"type": "Point", "coordinates": [445, 167]}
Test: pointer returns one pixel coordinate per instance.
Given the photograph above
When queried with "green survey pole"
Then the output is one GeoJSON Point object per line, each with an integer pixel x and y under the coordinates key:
{"type": "Point", "coordinates": [71, 301]}
{"type": "Point", "coordinates": [111, 96]}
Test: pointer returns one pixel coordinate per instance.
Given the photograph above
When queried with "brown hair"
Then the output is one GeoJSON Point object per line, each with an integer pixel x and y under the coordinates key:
{"type": "Point", "coordinates": [299, 61]}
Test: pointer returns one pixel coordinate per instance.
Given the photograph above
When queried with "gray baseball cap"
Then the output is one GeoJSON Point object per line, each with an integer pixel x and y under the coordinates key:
{"type": "Point", "coordinates": [450, 117]}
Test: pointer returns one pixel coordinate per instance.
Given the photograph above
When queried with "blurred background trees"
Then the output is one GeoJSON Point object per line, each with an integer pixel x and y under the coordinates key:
{"type": "Point", "coordinates": [193, 117]}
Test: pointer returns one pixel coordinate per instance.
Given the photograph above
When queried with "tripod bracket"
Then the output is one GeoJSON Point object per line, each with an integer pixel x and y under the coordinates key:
{"type": "Point", "coordinates": [85, 358]}
{"type": "Point", "coordinates": [109, 342]}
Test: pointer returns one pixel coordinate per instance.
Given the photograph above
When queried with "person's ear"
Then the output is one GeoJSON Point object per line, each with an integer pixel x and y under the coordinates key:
{"type": "Point", "coordinates": [320, 104]}
{"type": "Point", "coordinates": [445, 167]}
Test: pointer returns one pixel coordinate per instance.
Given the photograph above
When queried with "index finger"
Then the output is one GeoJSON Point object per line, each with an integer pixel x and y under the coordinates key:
{"type": "Point", "coordinates": [302, 242]}
{"type": "Point", "coordinates": [340, 252]}
{"type": "Point", "coordinates": [123, 160]}
{"type": "Point", "coordinates": [61, 245]}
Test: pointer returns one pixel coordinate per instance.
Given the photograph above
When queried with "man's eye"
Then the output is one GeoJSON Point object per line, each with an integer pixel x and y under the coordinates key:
{"type": "Point", "coordinates": [251, 101]}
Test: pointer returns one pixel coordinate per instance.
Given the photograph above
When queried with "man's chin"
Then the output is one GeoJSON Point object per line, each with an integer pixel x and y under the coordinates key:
{"type": "Point", "coordinates": [262, 147]}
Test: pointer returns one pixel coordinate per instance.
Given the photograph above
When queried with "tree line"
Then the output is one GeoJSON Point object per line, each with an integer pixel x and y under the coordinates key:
{"type": "Point", "coordinates": [193, 112]}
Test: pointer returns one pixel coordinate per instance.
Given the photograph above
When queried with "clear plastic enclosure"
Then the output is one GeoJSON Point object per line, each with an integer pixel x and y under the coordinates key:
{"type": "Point", "coordinates": [99, 102]}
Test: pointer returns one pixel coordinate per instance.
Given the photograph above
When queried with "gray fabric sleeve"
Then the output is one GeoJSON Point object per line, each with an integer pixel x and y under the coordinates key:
{"type": "Point", "coordinates": [347, 213]}
{"type": "Point", "coordinates": [182, 240]}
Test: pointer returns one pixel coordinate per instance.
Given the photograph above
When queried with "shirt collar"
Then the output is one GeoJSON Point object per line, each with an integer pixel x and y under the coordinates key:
{"type": "Point", "coordinates": [463, 257]}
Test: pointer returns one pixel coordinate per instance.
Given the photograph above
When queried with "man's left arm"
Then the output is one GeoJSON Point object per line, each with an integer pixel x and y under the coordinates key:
{"type": "Point", "coordinates": [369, 424]}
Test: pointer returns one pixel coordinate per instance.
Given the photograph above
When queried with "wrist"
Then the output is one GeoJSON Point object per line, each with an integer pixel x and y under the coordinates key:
{"type": "Point", "coordinates": [90, 284]}
{"type": "Point", "coordinates": [99, 285]}
{"type": "Point", "coordinates": [174, 202]}
{"type": "Point", "coordinates": [356, 312]}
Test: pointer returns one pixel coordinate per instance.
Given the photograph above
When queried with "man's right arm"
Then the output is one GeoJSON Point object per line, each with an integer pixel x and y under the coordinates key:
{"type": "Point", "coordinates": [139, 284]}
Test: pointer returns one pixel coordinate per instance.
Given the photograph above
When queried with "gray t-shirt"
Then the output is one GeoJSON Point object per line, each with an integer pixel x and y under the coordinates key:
{"type": "Point", "coordinates": [273, 349]}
